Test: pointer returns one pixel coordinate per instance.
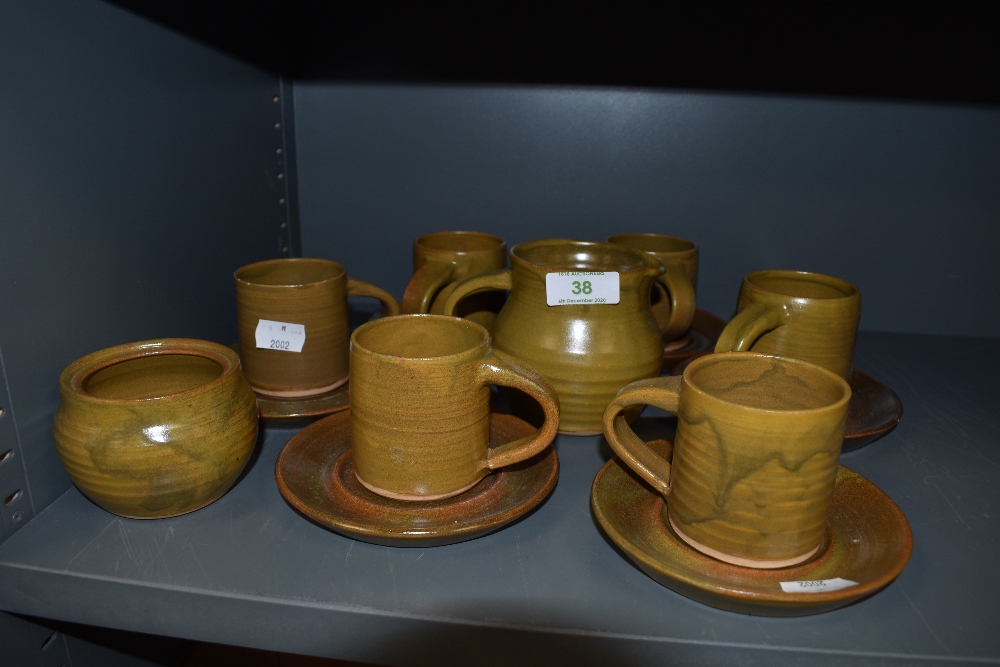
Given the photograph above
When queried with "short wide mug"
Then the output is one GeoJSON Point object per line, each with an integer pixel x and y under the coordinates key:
{"type": "Point", "coordinates": [441, 260]}
{"type": "Point", "coordinates": [809, 316]}
{"type": "Point", "coordinates": [300, 291]}
{"type": "Point", "coordinates": [673, 293]}
{"type": "Point", "coordinates": [420, 406]}
{"type": "Point", "coordinates": [755, 457]}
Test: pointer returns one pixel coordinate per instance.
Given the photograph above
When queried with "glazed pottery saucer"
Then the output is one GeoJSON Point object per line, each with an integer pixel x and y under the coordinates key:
{"type": "Point", "coordinates": [315, 474]}
{"type": "Point", "coordinates": [302, 407]}
{"type": "Point", "coordinates": [305, 407]}
{"type": "Point", "coordinates": [874, 410]}
{"type": "Point", "coordinates": [699, 340]}
{"type": "Point", "coordinates": [868, 541]}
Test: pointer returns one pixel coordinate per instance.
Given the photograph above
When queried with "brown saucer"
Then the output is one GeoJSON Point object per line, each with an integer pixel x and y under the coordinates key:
{"type": "Point", "coordinates": [868, 541]}
{"type": "Point", "coordinates": [874, 410]}
{"type": "Point", "coordinates": [315, 474]}
{"type": "Point", "coordinates": [305, 407]}
{"type": "Point", "coordinates": [302, 407]}
{"type": "Point", "coordinates": [698, 341]}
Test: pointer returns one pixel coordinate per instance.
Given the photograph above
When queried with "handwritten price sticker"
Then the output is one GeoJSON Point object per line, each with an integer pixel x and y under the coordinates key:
{"type": "Point", "coordinates": [817, 586]}
{"type": "Point", "coordinates": [284, 336]}
{"type": "Point", "coordinates": [568, 288]}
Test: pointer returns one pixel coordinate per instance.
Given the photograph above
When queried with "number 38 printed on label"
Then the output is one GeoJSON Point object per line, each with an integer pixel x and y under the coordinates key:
{"type": "Point", "coordinates": [567, 288]}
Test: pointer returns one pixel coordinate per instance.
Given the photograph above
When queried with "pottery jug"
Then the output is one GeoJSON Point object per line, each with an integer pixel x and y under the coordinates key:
{"type": "Point", "coordinates": [598, 339]}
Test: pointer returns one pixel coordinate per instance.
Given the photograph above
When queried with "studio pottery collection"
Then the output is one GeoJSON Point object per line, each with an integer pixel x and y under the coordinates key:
{"type": "Point", "coordinates": [406, 443]}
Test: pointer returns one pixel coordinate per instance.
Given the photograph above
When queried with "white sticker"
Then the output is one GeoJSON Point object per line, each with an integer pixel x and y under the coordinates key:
{"type": "Point", "coordinates": [280, 335]}
{"type": "Point", "coordinates": [816, 586]}
{"type": "Point", "coordinates": [567, 288]}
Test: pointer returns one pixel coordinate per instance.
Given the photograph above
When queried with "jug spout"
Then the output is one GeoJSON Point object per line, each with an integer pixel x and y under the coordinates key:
{"type": "Point", "coordinates": [654, 271]}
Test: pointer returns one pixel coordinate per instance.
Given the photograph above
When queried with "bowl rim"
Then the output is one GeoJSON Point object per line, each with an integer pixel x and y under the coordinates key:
{"type": "Point", "coordinates": [73, 377]}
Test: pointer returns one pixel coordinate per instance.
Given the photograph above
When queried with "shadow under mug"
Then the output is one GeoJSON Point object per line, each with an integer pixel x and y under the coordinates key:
{"type": "Point", "coordinates": [755, 457]}
{"type": "Point", "coordinates": [420, 406]}
{"type": "Point", "coordinates": [308, 292]}
{"type": "Point", "coordinates": [808, 316]}
{"type": "Point", "coordinates": [672, 297]}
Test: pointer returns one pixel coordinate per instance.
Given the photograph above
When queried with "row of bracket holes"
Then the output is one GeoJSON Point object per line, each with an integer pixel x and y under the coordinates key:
{"type": "Point", "coordinates": [6, 455]}
{"type": "Point", "coordinates": [3, 458]}
{"type": "Point", "coordinates": [281, 175]}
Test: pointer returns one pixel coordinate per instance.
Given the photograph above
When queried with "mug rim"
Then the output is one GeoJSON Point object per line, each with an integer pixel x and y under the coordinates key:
{"type": "Point", "coordinates": [470, 352]}
{"type": "Point", "coordinates": [647, 262]}
{"type": "Point", "coordinates": [623, 239]}
{"type": "Point", "coordinates": [849, 289]}
{"type": "Point", "coordinates": [339, 271]}
{"type": "Point", "coordinates": [74, 377]}
{"type": "Point", "coordinates": [717, 357]}
{"type": "Point", "coordinates": [498, 243]}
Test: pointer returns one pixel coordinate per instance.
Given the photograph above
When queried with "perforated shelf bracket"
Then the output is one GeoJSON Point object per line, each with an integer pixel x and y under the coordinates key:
{"type": "Point", "coordinates": [16, 508]}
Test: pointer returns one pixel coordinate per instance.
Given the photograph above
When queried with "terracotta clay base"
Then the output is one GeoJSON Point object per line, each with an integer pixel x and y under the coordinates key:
{"type": "Point", "coordinates": [306, 393]}
{"type": "Point", "coordinates": [316, 475]}
{"type": "Point", "coordinates": [737, 560]}
{"type": "Point", "coordinates": [412, 497]}
{"type": "Point", "coordinates": [304, 408]}
{"type": "Point", "coordinates": [868, 541]}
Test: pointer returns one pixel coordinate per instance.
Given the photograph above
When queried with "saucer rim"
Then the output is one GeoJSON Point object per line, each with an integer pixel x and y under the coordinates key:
{"type": "Point", "coordinates": [860, 439]}
{"type": "Point", "coordinates": [309, 403]}
{"type": "Point", "coordinates": [744, 601]}
{"type": "Point", "coordinates": [264, 400]}
{"type": "Point", "coordinates": [468, 529]}
{"type": "Point", "coordinates": [705, 323]}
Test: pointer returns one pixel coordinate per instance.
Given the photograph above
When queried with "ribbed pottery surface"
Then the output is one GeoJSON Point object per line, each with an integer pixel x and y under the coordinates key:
{"type": "Point", "coordinates": [154, 457]}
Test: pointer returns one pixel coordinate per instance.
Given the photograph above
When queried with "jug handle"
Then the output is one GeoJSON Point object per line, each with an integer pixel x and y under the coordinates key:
{"type": "Point", "coordinates": [682, 300]}
{"type": "Point", "coordinates": [496, 280]}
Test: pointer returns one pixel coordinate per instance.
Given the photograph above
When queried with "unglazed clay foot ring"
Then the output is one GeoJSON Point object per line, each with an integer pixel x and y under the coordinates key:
{"type": "Point", "coordinates": [414, 497]}
{"type": "Point", "coordinates": [738, 560]}
{"type": "Point", "coordinates": [299, 393]}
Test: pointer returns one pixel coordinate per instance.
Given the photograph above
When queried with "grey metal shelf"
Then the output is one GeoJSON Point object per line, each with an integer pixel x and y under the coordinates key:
{"type": "Point", "coordinates": [551, 589]}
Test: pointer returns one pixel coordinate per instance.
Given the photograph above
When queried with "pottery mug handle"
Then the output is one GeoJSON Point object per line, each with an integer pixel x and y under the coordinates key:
{"type": "Point", "coordinates": [678, 285]}
{"type": "Point", "coordinates": [360, 288]}
{"type": "Point", "coordinates": [501, 370]}
{"type": "Point", "coordinates": [660, 392]}
{"type": "Point", "coordinates": [495, 280]}
{"type": "Point", "coordinates": [750, 324]}
{"type": "Point", "coordinates": [425, 283]}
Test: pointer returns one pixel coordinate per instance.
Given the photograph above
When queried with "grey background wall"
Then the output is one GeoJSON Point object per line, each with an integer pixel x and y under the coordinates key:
{"type": "Point", "coordinates": [137, 172]}
{"type": "Point", "coordinates": [901, 199]}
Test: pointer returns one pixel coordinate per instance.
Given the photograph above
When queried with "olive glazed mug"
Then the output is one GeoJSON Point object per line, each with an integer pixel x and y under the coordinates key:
{"type": "Point", "coordinates": [672, 297]}
{"type": "Point", "coordinates": [308, 297]}
{"type": "Point", "coordinates": [442, 260]}
{"type": "Point", "coordinates": [809, 316]}
{"type": "Point", "coordinates": [155, 429]}
{"type": "Point", "coordinates": [755, 458]}
{"type": "Point", "coordinates": [420, 406]}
